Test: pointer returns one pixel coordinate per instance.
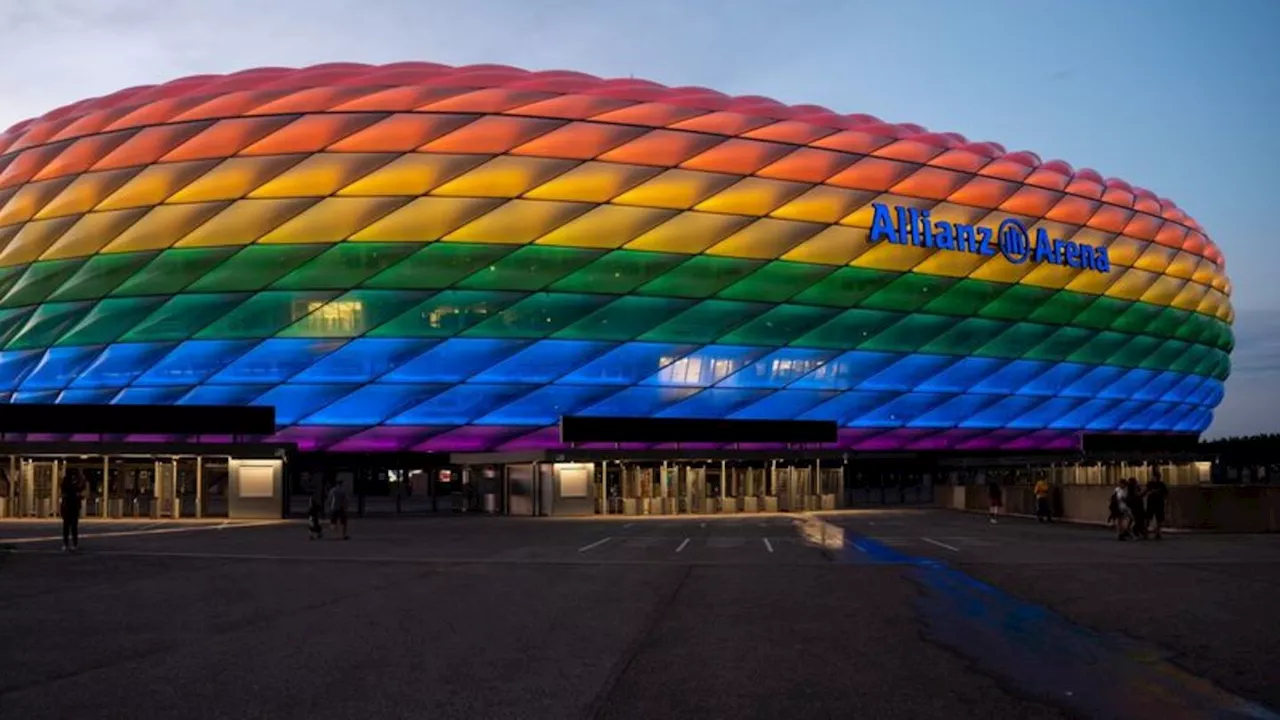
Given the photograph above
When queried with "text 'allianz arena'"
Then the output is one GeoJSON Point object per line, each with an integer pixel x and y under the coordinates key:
{"type": "Point", "coordinates": [421, 257]}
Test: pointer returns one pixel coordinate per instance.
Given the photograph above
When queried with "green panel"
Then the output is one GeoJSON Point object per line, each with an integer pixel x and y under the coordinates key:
{"type": "Point", "coordinates": [9, 277]}
{"type": "Point", "coordinates": [965, 337]}
{"type": "Point", "coordinates": [1189, 361]}
{"type": "Point", "coordinates": [1166, 355]}
{"type": "Point", "coordinates": [447, 313]}
{"type": "Point", "coordinates": [532, 267]}
{"type": "Point", "coordinates": [1193, 326]}
{"type": "Point", "coordinates": [345, 265]}
{"type": "Point", "coordinates": [1061, 344]}
{"type": "Point", "coordinates": [1102, 313]}
{"type": "Point", "coordinates": [181, 317]}
{"type": "Point", "coordinates": [780, 325]}
{"type": "Point", "coordinates": [848, 329]}
{"type": "Point", "coordinates": [705, 322]}
{"type": "Point", "coordinates": [777, 282]}
{"type": "Point", "coordinates": [539, 315]}
{"type": "Point", "coordinates": [702, 276]}
{"type": "Point", "coordinates": [47, 324]}
{"type": "Point", "coordinates": [39, 280]}
{"type": "Point", "coordinates": [1017, 340]}
{"type": "Point", "coordinates": [1137, 319]}
{"type": "Point", "coordinates": [620, 271]}
{"type": "Point", "coordinates": [1100, 348]}
{"type": "Point", "coordinates": [909, 292]}
{"type": "Point", "coordinates": [625, 318]}
{"type": "Point", "coordinates": [1064, 307]}
{"type": "Point", "coordinates": [110, 319]}
{"type": "Point", "coordinates": [438, 265]}
{"type": "Point", "coordinates": [173, 270]}
{"type": "Point", "coordinates": [1139, 349]}
{"type": "Point", "coordinates": [1219, 335]}
{"type": "Point", "coordinates": [266, 314]}
{"type": "Point", "coordinates": [1168, 322]}
{"type": "Point", "coordinates": [966, 298]}
{"type": "Point", "coordinates": [1221, 367]}
{"type": "Point", "coordinates": [101, 274]}
{"type": "Point", "coordinates": [1017, 302]}
{"type": "Point", "coordinates": [255, 267]}
{"type": "Point", "coordinates": [11, 321]}
{"type": "Point", "coordinates": [355, 313]}
{"type": "Point", "coordinates": [846, 287]}
{"type": "Point", "coordinates": [909, 334]}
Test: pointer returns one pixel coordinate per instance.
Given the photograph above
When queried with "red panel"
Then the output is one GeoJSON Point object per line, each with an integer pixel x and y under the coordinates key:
{"type": "Point", "coordinates": [1006, 169]}
{"type": "Point", "coordinates": [570, 107]}
{"type": "Point", "coordinates": [89, 124]}
{"type": "Point", "coordinates": [962, 160]}
{"type": "Point", "coordinates": [28, 163]}
{"type": "Point", "coordinates": [908, 151]}
{"type": "Point", "coordinates": [790, 131]}
{"type": "Point", "coordinates": [1171, 235]}
{"type": "Point", "coordinates": [401, 132]}
{"type": "Point", "coordinates": [154, 113]}
{"type": "Point", "coordinates": [490, 100]}
{"type": "Point", "coordinates": [651, 114]}
{"type": "Point", "coordinates": [310, 133]}
{"type": "Point", "coordinates": [491, 135]}
{"type": "Point", "coordinates": [82, 154]}
{"type": "Point", "coordinates": [227, 106]}
{"type": "Point", "coordinates": [400, 99]}
{"type": "Point", "coordinates": [579, 140]}
{"type": "Point", "coordinates": [225, 138]}
{"type": "Point", "coordinates": [311, 100]}
{"type": "Point", "coordinates": [854, 141]}
{"type": "Point", "coordinates": [149, 145]}
{"type": "Point", "coordinates": [722, 123]}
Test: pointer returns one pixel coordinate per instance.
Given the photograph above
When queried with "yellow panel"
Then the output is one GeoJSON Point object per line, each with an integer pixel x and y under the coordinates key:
{"type": "Point", "coordinates": [518, 222]}
{"type": "Point", "coordinates": [689, 233]}
{"type": "Point", "coordinates": [997, 269]}
{"type": "Point", "coordinates": [1156, 258]}
{"type": "Point", "coordinates": [322, 174]}
{"type": "Point", "coordinates": [951, 264]}
{"type": "Point", "coordinates": [1211, 304]}
{"type": "Point", "coordinates": [824, 204]}
{"type": "Point", "coordinates": [678, 189]}
{"type": "Point", "coordinates": [957, 214]}
{"type": "Point", "coordinates": [425, 219]}
{"type": "Point", "coordinates": [752, 196]}
{"type": "Point", "coordinates": [234, 178]}
{"type": "Point", "coordinates": [1094, 283]}
{"type": "Point", "coordinates": [332, 220]}
{"type": "Point", "coordinates": [412, 175]}
{"type": "Point", "coordinates": [92, 232]}
{"type": "Point", "coordinates": [1226, 314]}
{"type": "Point", "coordinates": [1125, 251]}
{"type": "Point", "coordinates": [85, 192]}
{"type": "Point", "coordinates": [1132, 284]}
{"type": "Point", "coordinates": [1164, 290]}
{"type": "Point", "coordinates": [29, 199]}
{"type": "Point", "coordinates": [862, 216]}
{"type": "Point", "coordinates": [1050, 275]}
{"type": "Point", "coordinates": [766, 238]}
{"type": "Point", "coordinates": [836, 245]}
{"type": "Point", "coordinates": [155, 184]}
{"type": "Point", "coordinates": [504, 177]}
{"type": "Point", "coordinates": [1190, 296]}
{"type": "Point", "coordinates": [1091, 236]}
{"type": "Point", "coordinates": [243, 221]}
{"type": "Point", "coordinates": [6, 235]}
{"type": "Point", "coordinates": [1183, 265]}
{"type": "Point", "coordinates": [887, 256]}
{"type": "Point", "coordinates": [1056, 230]}
{"type": "Point", "coordinates": [33, 239]}
{"type": "Point", "coordinates": [1219, 282]}
{"type": "Point", "coordinates": [1205, 272]}
{"type": "Point", "coordinates": [607, 226]}
{"type": "Point", "coordinates": [593, 182]}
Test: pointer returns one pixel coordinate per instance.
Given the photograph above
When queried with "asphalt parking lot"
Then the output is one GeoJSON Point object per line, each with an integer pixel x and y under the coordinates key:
{"type": "Point", "coordinates": [908, 614]}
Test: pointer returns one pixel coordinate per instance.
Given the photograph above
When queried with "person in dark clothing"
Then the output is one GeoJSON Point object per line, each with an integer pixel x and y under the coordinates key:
{"type": "Point", "coordinates": [1157, 493]}
{"type": "Point", "coordinates": [70, 510]}
{"type": "Point", "coordinates": [995, 495]}
{"type": "Point", "coordinates": [1133, 498]}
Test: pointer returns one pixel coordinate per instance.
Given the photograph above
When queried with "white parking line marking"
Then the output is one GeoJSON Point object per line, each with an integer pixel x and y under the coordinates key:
{"type": "Point", "coordinates": [767, 544]}
{"type": "Point", "coordinates": [860, 548]}
{"type": "Point", "coordinates": [595, 544]}
{"type": "Point", "coordinates": [931, 541]}
{"type": "Point", "coordinates": [683, 544]}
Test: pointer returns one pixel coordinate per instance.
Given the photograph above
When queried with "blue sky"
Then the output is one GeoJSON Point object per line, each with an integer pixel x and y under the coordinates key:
{"type": "Point", "coordinates": [1178, 96]}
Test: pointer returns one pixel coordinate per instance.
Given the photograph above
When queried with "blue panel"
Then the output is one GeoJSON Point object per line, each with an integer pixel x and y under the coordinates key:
{"type": "Point", "coordinates": [1056, 380]}
{"type": "Point", "coordinates": [638, 402]}
{"type": "Point", "coordinates": [372, 404]}
{"type": "Point", "coordinates": [194, 361]}
{"type": "Point", "coordinates": [42, 397]}
{"type": "Point", "coordinates": [713, 403]}
{"type": "Point", "coordinates": [784, 404]}
{"type": "Point", "coordinates": [364, 360]}
{"type": "Point", "coordinates": [1049, 411]}
{"type": "Point", "coordinates": [1177, 413]}
{"type": "Point", "coordinates": [59, 367]}
{"type": "Point", "coordinates": [900, 411]}
{"type": "Point", "coordinates": [779, 368]}
{"type": "Point", "coordinates": [276, 360]}
{"type": "Point", "coordinates": [14, 366]}
{"type": "Point", "coordinates": [1160, 385]}
{"type": "Point", "coordinates": [1209, 395]}
{"type": "Point", "coordinates": [87, 397]}
{"type": "Point", "coordinates": [1113, 419]}
{"type": "Point", "coordinates": [848, 406]}
{"type": "Point", "coordinates": [1092, 383]}
{"type": "Point", "coordinates": [545, 405]}
{"type": "Point", "coordinates": [1080, 416]}
{"type": "Point", "coordinates": [223, 394]}
{"type": "Point", "coordinates": [628, 364]}
{"type": "Point", "coordinates": [1143, 419]}
{"type": "Point", "coordinates": [1195, 421]}
{"type": "Point", "coordinates": [120, 365]}
{"type": "Point", "coordinates": [542, 362]}
{"type": "Point", "coordinates": [706, 367]}
{"type": "Point", "coordinates": [1185, 388]}
{"type": "Point", "coordinates": [1013, 377]}
{"type": "Point", "coordinates": [908, 373]}
{"type": "Point", "coordinates": [149, 395]}
{"type": "Point", "coordinates": [1002, 413]}
{"type": "Point", "coordinates": [963, 376]}
{"type": "Point", "coordinates": [460, 405]}
{"type": "Point", "coordinates": [846, 371]}
{"type": "Point", "coordinates": [454, 360]}
{"type": "Point", "coordinates": [1128, 385]}
{"type": "Point", "coordinates": [954, 411]}
{"type": "Point", "coordinates": [294, 402]}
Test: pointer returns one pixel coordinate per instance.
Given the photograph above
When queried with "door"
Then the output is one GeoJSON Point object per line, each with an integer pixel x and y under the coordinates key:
{"type": "Point", "coordinates": [36, 494]}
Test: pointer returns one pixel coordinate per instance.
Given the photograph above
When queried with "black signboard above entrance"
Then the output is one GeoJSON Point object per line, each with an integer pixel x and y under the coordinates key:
{"type": "Point", "coordinates": [578, 429]}
{"type": "Point", "coordinates": [141, 419]}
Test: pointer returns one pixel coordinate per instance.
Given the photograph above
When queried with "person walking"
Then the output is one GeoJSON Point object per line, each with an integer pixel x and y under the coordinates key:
{"type": "Point", "coordinates": [1043, 509]}
{"type": "Point", "coordinates": [338, 508]}
{"type": "Point", "coordinates": [995, 496]}
{"type": "Point", "coordinates": [70, 510]}
{"type": "Point", "coordinates": [1157, 493]}
{"type": "Point", "coordinates": [1120, 511]}
{"type": "Point", "coordinates": [1134, 499]}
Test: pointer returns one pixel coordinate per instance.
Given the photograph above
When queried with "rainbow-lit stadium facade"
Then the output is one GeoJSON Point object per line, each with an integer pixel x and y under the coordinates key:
{"type": "Point", "coordinates": [416, 257]}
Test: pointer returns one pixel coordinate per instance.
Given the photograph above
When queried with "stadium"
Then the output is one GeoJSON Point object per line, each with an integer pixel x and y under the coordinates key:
{"type": "Point", "coordinates": [555, 277]}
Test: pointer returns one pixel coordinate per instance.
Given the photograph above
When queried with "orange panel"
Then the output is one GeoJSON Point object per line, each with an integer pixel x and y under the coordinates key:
{"type": "Point", "coordinates": [332, 220]}
{"type": "Point", "coordinates": [1195, 242]}
{"type": "Point", "coordinates": [722, 123]}
{"type": "Point", "coordinates": [1085, 188]}
{"type": "Point", "coordinates": [607, 226]}
{"type": "Point", "coordinates": [82, 154]}
{"type": "Point", "coordinates": [1120, 198]}
{"type": "Point", "coordinates": [737, 156]}
{"type": "Point", "coordinates": [593, 182]}
{"type": "Point", "coordinates": [398, 99]}
{"type": "Point", "coordinates": [961, 160]}
{"type": "Point", "coordinates": [89, 124]}
{"type": "Point", "coordinates": [231, 104]}
{"type": "Point", "coordinates": [766, 239]}
{"type": "Point", "coordinates": [425, 219]}
{"type": "Point", "coordinates": [518, 222]}
{"type": "Point", "coordinates": [30, 199]}
{"type": "Point", "coordinates": [678, 189]}
{"type": "Point", "coordinates": [85, 192]}
{"type": "Point", "coordinates": [808, 165]}
{"type": "Point", "coordinates": [570, 107]}
{"type": "Point", "coordinates": [836, 245]}
{"type": "Point", "coordinates": [1143, 226]}
{"type": "Point", "coordinates": [649, 114]}
{"type": "Point", "coordinates": [1006, 170]}
{"type": "Point", "coordinates": [930, 182]}
{"type": "Point", "coordinates": [790, 131]}
{"type": "Point", "coordinates": [310, 100]}
{"type": "Point", "coordinates": [1041, 177]}
{"type": "Point", "coordinates": [689, 233]}
{"type": "Point", "coordinates": [579, 140]}
{"type": "Point", "coordinates": [1110, 218]}
{"type": "Point", "coordinates": [33, 239]}
{"type": "Point", "coordinates": [908, 151]}
{"type": "Point", "coordinates": [1031, 201]}
{"type": "Point", "coordinates": [1171, 234]}
{"type": "Point", "coordinates": [824, 204]}
{"type": "Point", "coordinates": [322, 174]}
{"type": "Point", "coordinates": [872, 174]}
{"type": "Point", "coordinates": [149, 145]}
{"type": "Point", "coordinates": [413, 174]}
{"type": "Point", "coordinates": [984, 192]}
{"type": "Point", "coordinates": [310, 133]}
{"type": "Point", "coordinates": [28, 163]}
{"type": "Point", "coordinates": [491, 135]}
{"type": "Point", "coordinates": [38, 133]}
{"type": "Point", "coordinates": [1073, 210]}
{"type": "Point", "coordinates": [234, 178]}
{"type": "Point", "coordinates": [154, 113]}
{"type": "Point", "coordinates": [92, 232]}
{"type": "Point", "coordinates": [752, 196]}
{"type": "Point", "coordinates": [852, 141]}
{"type": "Point", "coordinates": [225, 138]}
{"type": "Point", "coordinates": [241, 222]}
{"type": "Point", "coordinates": [155, 183]}
{"type": "Point", "coordinates": [504, 176]}
{"type": "Point", "coordinates": [664, 148]}
{"type": "Point", "coordinates": [163, 225]}
{"type": "Point", "coordinates": [401, 132]}
{"type": "Point", "coordinates": [488, 100]}
{"type": "Point", "coordinates": [1148, 205]}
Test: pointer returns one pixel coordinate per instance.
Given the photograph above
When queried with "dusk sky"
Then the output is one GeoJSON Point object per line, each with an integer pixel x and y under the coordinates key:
{"type": "Point", "coordinates": [1177, 96]}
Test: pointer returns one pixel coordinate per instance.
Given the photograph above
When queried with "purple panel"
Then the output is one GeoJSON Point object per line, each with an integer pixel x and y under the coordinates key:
{"type": "Point", "coordinates": [547, 438]}
{"type": "Point", "coordinates": [990, 440]}
{"type": "Point", "coordinates": [689, 446]}
{"type": "Point", "coordinates": [314, 437]}
{"type": "Point", "coordinates": [385, 438]}
{"type": "Point", "coordinates": [944, 440]}
{"type": "Point", "coordinates": [851, 437]}
{"type": "Point", "coordinates": [85, 437]}
{"type": "Point", "coordinates": [762, 446]}
{"type": "Point", "coordinates": [470, 438]}
{"type": "Point", "coordinates": [619, 446]}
